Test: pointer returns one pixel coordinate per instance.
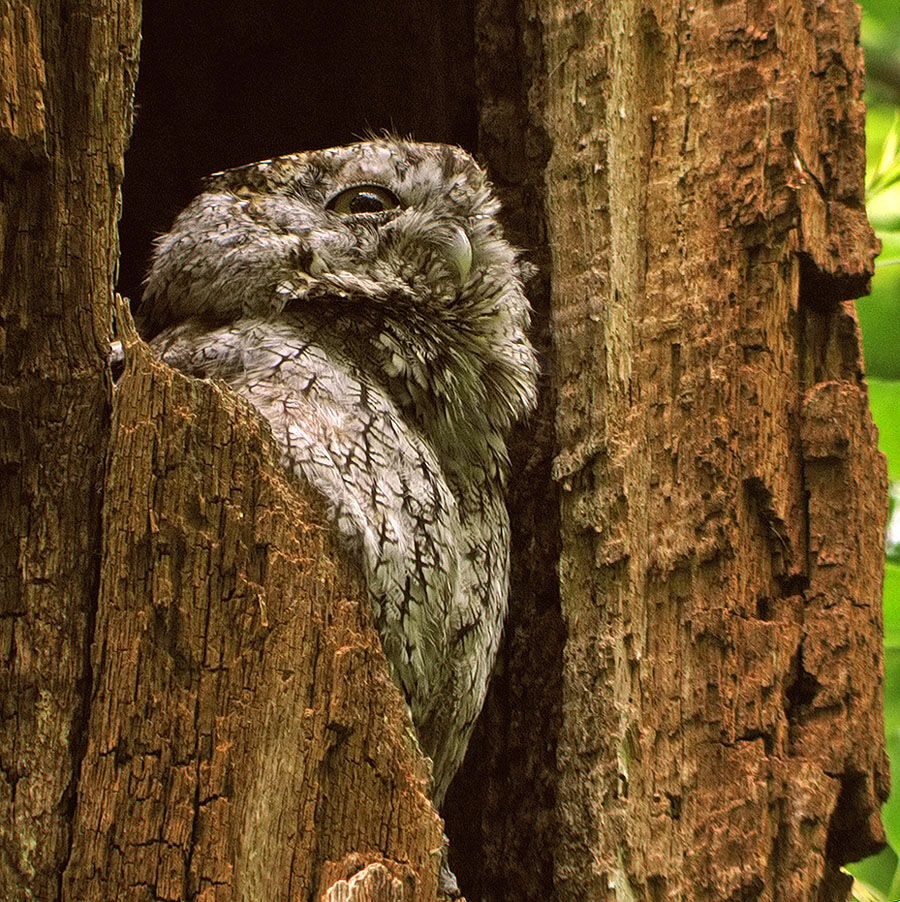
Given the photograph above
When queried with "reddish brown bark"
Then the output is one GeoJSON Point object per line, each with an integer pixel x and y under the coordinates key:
{"type": "Point", "coordinates": [194, 702]}
{"type": "Point", "coordinates": [722, 498]}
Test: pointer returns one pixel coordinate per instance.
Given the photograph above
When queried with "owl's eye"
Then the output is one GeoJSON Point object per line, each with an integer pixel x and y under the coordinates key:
{"type": "Point", "coordinates": [363, 199]}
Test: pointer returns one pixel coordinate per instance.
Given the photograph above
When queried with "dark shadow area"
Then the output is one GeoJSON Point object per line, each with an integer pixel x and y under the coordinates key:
{"type": "Point", "coordinates": [224, 86]}
{"type": "Point", "coordinates": [850, 834]}
{"type": "Point", "coordinates": [501, 810]}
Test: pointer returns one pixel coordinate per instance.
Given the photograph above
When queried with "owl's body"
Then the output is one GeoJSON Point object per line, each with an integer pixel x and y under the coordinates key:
{"type": "Point", "coordinates": [363, 300]}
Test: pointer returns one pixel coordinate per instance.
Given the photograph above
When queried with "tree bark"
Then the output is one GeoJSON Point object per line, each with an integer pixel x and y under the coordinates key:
{"type": "Point", "coordinates": [722, 499]}
{"type": "Point", "coordinates": [66, 80]}
{"type": "Point", "coordinates": [195, 703]}
{"type": "Point", "coordinates": [688, 705]}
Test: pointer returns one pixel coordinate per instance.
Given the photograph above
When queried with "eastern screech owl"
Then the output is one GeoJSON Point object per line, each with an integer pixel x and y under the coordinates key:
{"type": "Point", "coordinates": [365, 302]}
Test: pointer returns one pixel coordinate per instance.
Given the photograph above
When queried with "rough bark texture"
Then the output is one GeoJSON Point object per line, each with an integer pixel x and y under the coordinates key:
{"type": "Point", "coordinates": [66, 78]}
{"type": "Point", "coordinates": [245, 740]}
{"type": "Point", "coordinates": [722, 498]}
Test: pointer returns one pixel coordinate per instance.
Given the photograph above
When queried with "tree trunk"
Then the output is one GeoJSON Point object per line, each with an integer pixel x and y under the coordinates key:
{"type": "Point", "coordinates": [66, 80]}
{"type": "Point", "coordinates": [708, 713]}
{"type": "Point", "coordinates": [688, 705]}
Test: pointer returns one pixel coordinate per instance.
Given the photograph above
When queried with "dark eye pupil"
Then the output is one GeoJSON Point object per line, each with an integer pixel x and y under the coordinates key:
{"type": "Point", "coordinates": [366, 202]}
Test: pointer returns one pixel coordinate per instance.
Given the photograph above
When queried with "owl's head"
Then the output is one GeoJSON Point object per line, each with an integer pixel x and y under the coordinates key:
{"type": "Point", "coordinates": [381, 233]}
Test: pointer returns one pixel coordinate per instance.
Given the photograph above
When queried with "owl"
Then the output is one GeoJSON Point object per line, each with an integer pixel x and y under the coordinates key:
{"type": "Point", "coordinates": [364, 300]}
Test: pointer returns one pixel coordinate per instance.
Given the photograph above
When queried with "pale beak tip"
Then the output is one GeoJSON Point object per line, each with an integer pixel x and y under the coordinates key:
{"type": "Point", "coordinates": [459, 253]}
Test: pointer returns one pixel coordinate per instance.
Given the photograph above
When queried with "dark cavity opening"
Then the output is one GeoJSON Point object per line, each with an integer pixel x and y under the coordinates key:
{"type": "Point", "coordinates": [245, 81]}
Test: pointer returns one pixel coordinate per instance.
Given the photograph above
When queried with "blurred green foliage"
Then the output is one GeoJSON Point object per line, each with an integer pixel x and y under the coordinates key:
{"type": "Point", "coordinates": [878, 878]}
{"type": "Point", "coordinates": [878, 314]}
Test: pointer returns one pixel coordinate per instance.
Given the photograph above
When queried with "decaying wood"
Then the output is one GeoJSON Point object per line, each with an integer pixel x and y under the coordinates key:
{"type": "Point", "coordinates": [722, 497]}
{"type": "Point", "coordinates": [244, 732]}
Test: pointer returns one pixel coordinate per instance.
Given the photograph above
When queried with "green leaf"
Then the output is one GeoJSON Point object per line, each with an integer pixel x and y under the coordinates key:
{"type": "Point", "coordinates": [879, 120]}
{"type": "Point", "coordinates": [883, 205]}
{"type": "Point", "coordinates": [874, 876]}
{"type": "Point", "coordinates": [890, 250]}
{"type": "Point", "coordinates": [892, 619]}
{"type": "Point", "coordinates": [880, 322]}
{"type": "Point", "coordinates": [885, 13]}
{"type": "Point", "coordinates": [886, 173]}
{"type": "Point", "coordinates": [864, 892]}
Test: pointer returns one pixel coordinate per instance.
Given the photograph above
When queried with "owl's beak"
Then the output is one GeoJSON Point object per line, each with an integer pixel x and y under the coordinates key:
{"type": "Point", "coordinates": [459, 252]}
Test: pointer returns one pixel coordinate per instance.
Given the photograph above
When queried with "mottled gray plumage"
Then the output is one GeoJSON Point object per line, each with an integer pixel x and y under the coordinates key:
{"type": "Point", "coordinates": [365, 302]}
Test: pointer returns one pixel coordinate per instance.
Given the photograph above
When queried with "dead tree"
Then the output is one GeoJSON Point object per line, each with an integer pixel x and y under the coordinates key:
{"type": "Point", "coordinates": [688, 705]}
